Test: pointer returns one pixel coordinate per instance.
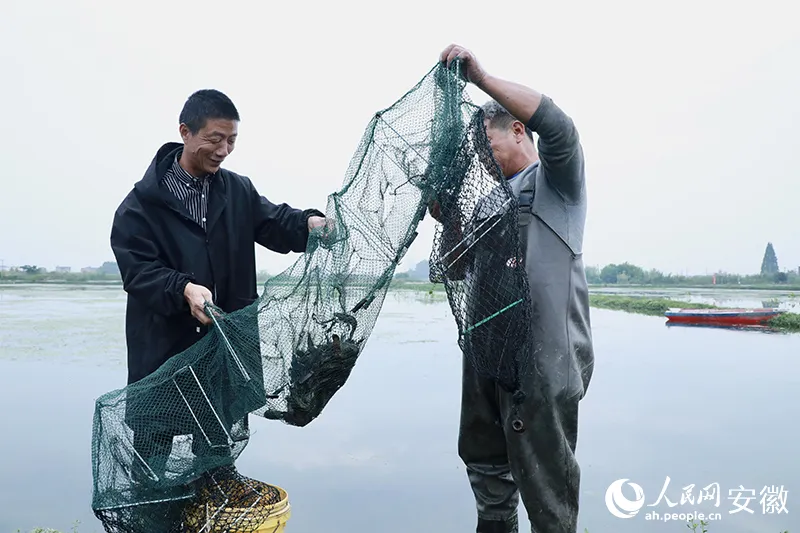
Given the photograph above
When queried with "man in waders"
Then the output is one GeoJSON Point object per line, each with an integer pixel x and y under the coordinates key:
{"type": "Point", "coordinates": [531, 452]}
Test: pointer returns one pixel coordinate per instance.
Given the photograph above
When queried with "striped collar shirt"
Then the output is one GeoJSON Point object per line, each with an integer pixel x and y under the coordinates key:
{"type": "Point", "coordinates": [191, 191]}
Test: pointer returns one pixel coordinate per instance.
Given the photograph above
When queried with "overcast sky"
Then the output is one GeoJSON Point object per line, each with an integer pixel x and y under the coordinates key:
{"type": "Point", "coordinates": [688, 112]}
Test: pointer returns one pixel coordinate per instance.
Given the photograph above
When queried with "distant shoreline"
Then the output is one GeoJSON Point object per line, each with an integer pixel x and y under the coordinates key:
{"type": "Point", "coordinates": [427, 286]}
{"type": "Point", "coordinates": [598, 297]}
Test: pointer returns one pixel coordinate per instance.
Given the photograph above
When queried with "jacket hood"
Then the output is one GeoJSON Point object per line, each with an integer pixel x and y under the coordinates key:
{"type": "Point", "coordinates": [148, 186]}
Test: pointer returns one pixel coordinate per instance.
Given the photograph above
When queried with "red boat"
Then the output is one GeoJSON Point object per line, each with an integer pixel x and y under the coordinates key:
{"type": "Point", "coordinates": [722, 316]}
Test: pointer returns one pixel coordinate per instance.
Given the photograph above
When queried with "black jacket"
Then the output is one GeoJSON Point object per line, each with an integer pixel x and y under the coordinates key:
{"type": "Point", "coordinates": [159, 249]}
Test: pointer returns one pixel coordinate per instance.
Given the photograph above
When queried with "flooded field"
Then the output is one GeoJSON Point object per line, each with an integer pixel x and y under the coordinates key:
{"type": "Point", "coordinates": [678, 409]}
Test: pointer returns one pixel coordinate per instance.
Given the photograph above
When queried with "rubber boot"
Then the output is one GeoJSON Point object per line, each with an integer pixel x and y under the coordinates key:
{"type": "Point", "coordinates": [510, 525]}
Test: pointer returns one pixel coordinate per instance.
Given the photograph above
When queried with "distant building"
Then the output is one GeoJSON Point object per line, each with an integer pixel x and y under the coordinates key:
{"type": "Point", "coordinates": [63, 269]}
{"type": "Point", "coordinates": [109, 267]}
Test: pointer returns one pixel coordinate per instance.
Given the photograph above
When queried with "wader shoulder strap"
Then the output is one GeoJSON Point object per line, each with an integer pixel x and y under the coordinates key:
{"type": "Point", "coordinates": [526, 199]}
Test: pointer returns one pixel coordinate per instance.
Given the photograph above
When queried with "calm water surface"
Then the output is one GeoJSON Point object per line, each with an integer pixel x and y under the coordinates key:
{"type": "Point", "coordinates": [700, 406]}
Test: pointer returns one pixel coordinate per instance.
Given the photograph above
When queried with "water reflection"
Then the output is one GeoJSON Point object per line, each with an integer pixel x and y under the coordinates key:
{"type": "Point", "coordinates": [750, 328]}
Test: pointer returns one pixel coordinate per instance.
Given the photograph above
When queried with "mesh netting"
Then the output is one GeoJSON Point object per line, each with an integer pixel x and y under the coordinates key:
{"type": "Point", "coordinates": [165, 447]}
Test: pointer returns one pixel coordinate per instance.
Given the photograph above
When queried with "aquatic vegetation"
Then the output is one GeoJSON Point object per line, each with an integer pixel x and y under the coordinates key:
{"type": "Point", "coordinates": [786, 322]}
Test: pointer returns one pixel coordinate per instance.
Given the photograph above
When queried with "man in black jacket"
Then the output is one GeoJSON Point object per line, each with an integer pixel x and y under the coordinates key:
{"type": "Point", "coordinates": [185, 235]}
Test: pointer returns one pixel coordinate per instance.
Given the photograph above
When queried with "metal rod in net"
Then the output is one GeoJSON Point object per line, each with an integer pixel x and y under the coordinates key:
{"type": "Point", "coordinates": [473, 232]}
{"type": "Point", "coordinates": [209, 520]}
{"type": "Point", "coordinates": [488, 318]}
{"type": "Point", "coordinates": [148, 471]}
{"type": "Point", "coordinates": [148, 502]}
{"type": "Point", "coordinates": [246, 512]}
{"type": "Point", "coordinates": [229, 345]}
{"type": "Point", "coordinates": [210, 406]}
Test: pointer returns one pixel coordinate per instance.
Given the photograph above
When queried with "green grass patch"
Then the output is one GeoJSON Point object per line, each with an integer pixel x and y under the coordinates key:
{"type": "Point", "coordinates": [786, 322]}
{"type": "Point", "coordinates": [640, 305]}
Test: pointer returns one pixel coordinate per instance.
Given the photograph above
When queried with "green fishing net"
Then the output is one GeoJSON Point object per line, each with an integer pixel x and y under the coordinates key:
{"type": "Point", "coordinates": [164, 448]}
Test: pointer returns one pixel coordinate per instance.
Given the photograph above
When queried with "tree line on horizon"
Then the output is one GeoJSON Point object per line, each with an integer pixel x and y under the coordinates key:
{"type": "Point", "coordinates": [630, 274]}
{"type": "Point", "coordinates": [627, 273]}
{"type": "Point", "coordinates": [612, 274]}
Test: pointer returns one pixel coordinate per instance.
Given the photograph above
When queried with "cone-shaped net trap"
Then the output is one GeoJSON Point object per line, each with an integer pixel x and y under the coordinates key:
{"type": "Point", "coordinates": [164, 447]}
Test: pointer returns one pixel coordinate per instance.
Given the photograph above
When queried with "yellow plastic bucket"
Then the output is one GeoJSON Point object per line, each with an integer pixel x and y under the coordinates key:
{"type": "Point", "coordinates": [278, 515]}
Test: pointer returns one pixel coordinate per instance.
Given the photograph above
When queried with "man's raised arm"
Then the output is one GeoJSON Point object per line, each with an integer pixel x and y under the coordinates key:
{"type": "Point", "coordinates": [560, 151]}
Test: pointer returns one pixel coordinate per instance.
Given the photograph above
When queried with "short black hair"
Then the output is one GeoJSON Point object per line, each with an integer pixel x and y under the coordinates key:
{"type": "Point", "coordinates": [206, 104]}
